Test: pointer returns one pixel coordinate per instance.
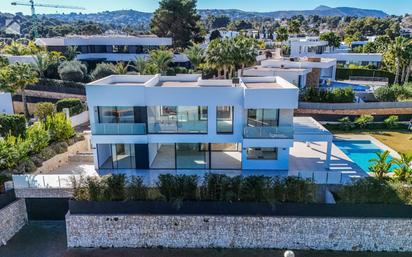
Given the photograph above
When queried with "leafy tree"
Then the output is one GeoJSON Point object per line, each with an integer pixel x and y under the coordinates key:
{"type": "Point", "coordinates": [215, 34]}
{"type": "Point", "coordinates": [16, 48]}
{"type": "Point", "coordinates": [73, 71]}
{"type": "Point", "coordinates": [215, 22]}
{"type": "Point", "coordinates": [294, 26]}
{"type": "Point", "coordinates": [177, 19]}
{"type": "Point", "coordinates": [15, 78]}
{"type": "Point", "coordinates": [196, 55]}
{"type": "Point", "coordinates": [381, 165]}
{"type": "Point", "coordinates": [282, 34]}
{"type": "Point", "coordinates": [44, 109]}
{"type": "Point", "coordinates": [332, 39]}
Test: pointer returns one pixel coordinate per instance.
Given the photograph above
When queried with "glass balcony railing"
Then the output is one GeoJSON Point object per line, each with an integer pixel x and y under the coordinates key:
{"type": "Point", "coordinates": [178, 127]}
{"type": "Point", "coordinates": [268, 132]}
{"type": "Point", "coordinates": [119, 129]}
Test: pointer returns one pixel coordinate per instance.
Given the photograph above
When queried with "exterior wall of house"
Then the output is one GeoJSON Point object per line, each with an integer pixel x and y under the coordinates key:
{"type": "Point", "coordinates": [6, 103]}
{"type": "Point", "coordinates": [240, 97]}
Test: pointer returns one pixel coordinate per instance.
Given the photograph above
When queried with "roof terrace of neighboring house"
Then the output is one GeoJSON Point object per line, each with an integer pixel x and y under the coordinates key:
{"type": "Point", "coordinates": [298, 70]}
{"type": "Point", "coordinates": [314, 47]}
{"type": "Point", "coordinates": [109, 47]}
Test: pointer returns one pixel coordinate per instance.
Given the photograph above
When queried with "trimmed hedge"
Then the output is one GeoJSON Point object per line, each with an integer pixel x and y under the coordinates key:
{"type": "Point", "coordinates": [337, 95]}
{"type": "Point", "coordinates": [344, 74]}
{"type": "Point", "coordinates": [12, 123]}
{"type": "Point", "coordinates": [74, 105]}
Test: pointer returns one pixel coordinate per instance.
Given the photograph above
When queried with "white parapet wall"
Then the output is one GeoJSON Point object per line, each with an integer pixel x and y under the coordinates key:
{"type": "Point", "coordinates": [80, 119]}
{"type": "Point", "coordinates": [12, 218]}
{"type": "Point", "coordinates": [199, 231]}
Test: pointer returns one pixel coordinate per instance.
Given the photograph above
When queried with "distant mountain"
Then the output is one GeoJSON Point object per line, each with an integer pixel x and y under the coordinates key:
{"type": "Point", "coordinates": [136, 18]}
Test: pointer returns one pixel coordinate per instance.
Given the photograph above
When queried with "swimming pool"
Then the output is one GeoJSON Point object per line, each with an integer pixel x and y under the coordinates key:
{"type": "Point", "coordinates": [360, 152]}
{"type": "Point", "coordinates": [336, 84]}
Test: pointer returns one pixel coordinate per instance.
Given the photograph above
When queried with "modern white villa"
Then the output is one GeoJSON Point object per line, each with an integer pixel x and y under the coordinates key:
{"type": "Point", "coordinates": [299, 71]}
{"type": "Point", "coordinates": [154, 122]}
{"type": "Point", "coordinates": [110, 48]}
{"type": "Point", "coordinates": [314, 47]}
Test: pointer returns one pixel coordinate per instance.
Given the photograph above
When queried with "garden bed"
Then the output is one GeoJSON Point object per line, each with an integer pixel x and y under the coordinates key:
{"type": "Point", "coordinates": [239, 209]}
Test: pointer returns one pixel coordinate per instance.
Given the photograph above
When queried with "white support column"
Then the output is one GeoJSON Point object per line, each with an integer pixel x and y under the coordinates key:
{"type": "Point", "coordinates": [328, 154]}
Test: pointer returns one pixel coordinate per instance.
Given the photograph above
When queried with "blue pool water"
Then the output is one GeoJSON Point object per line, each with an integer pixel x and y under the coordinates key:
{"type": "Point", "coordinates": [336, 84]}
{"type": "Point", "coordinates": [360, 152]}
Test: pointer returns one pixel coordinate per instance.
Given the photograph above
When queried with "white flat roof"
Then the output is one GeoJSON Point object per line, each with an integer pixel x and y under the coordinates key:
{"type": "Point", "coordinates": [192, 81]}
{"type": "Point", "coordinates": [104, 40]}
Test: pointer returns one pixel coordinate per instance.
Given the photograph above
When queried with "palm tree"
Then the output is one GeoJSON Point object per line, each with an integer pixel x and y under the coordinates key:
{"type": "Point", "coordinates": [214, 55]}
{"type": "Point", "coordinates": [121, 68]}
{"type": "Point", "coordinates": [41, 63]}
{"type": "Point", "coordinates": [139, 65]}
{"type": "Point", "coordinates": [381, 165]}
{"type": "Point", "coordinates": [398, 50]}
{"type": "Point", "coordinates": [246, 51]}
{"type": "Point", "coordinates": [408, 54]}
{"type": "Point", "coordinates": [404, 169]}
{"type": "Point", "coordinates": [196, 55]}
{"type": "Point", "coordinates": [162, 59]}
{"type": "Point", "coordinates": [15, 78]}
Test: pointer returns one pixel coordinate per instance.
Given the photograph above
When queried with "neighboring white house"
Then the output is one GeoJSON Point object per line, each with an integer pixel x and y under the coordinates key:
{"type": "Point", "coordinates": [298, 71]}
{"type": "Point", "coordinates": [111, 48]}
{"type": "Point", "coordinates": [6, 103]}
{"type": "Point", "coordinates": [184, 122]}
{"type": "Point", "coordinates": [314, 47]}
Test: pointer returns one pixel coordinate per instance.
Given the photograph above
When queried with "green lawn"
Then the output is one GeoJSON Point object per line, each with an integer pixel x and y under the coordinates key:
{"type": "Point", "coordinates": [398, 140]}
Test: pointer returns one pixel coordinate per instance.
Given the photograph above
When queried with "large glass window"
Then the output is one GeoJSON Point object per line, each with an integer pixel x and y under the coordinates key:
{"type": "Point", "coordinates": [224, 119]}
{"type": "Point", "coordinates": [262, 153]}
{"type": "Point", "coordinates": [115, 114]}
{"type": "Point", "coordinates": [262, 117]}
{"type": "Point", "coordinates": [116, 156]}
{"type": "Point", "coordinates": [192, 156]}
{"type": "Point", "coordinates": [177, 119]}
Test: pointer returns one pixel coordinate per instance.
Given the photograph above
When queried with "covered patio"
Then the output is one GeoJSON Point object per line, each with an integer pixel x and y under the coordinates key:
{"type": "Point", "coordinates": [314, 155]}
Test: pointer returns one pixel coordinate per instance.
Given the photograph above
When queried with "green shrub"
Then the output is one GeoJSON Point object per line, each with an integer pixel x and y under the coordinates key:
{"type": "Point", "coordinates": [218, 187]}
{"type": "Point", "coordinates": [114, 187]}
{"type": "Point", "coordinates": [136, 190]}
{"type": "Point", "coordinates": [59, 127]}
{"type": "Point", "coordinates": [297, 190]}
{"type": "Point", "coordinates": [13, 150]}
{"type": "Point", "coordinates": [14, 124]}
{"type": "Point", "coordinates": [43, 110]}
{"type": "Point", "coordinates": [346, 124]}
{"type": "Point", "coordinates": [373, 191]}
{"type": "Point", "coordinates": [391, 121]}
{"type": "Point", "coordinates": [393, 93]}
{"type": "Point", "coordinates": [364, 120]}
{"type": "Point", "coordinates": [337, 95]}
{"type": "Point", "coordinates": [74, 105]}
{"type": "Point", "coordinates": [180, 187]}
{"type": "Point", "coordinates": [38, 137]}
{"type": "Point", "coordinates": [255, 188]}
{"type": "Point", "coordinates": [26, 166]}
{"type": "Point", "coordinates": [73, 71]}
{"type": "Point", "coordinates": [103, 70]}
{"type": "Point", "coordinates": [3, 179]}
{"type": "Point", "coordinates": [95, 188]}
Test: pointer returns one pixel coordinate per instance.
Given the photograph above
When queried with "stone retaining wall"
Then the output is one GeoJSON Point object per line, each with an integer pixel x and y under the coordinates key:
{"type": "Point", "coordinates": [43, 192]}
{"type": "Point", "coordinates": [172, 231]}
{"type": "Point", "coordinates": [12, 218]}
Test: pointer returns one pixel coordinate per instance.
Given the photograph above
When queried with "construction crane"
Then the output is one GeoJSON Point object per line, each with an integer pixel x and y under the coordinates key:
{"type": "Point", "coordinates": [33, 11]}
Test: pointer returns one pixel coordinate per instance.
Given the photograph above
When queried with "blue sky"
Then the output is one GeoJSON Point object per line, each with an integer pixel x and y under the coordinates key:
{"type": "Point", "coordinates": [389, 6]}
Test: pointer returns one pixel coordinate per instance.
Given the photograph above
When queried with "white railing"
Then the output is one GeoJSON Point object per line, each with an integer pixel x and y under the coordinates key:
{"type": "Point", "coordinates": [323, 177]}
{"type": "Point", "coordinates": [44, 181]}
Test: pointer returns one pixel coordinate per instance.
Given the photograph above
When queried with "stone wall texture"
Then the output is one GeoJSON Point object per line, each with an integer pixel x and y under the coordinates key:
{"type": "Point", "coordinates": [12, 218]}
{"type": "Point", "coordinates": [351, 234]}
{"type": "Point", "coordinates": [43, 192]}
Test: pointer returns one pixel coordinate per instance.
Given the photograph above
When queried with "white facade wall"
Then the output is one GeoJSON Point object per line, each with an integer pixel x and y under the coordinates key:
{"type": "Point", "coordinates": [284, 97]}
{"type": "Point", "coordinates": [6, 103]}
